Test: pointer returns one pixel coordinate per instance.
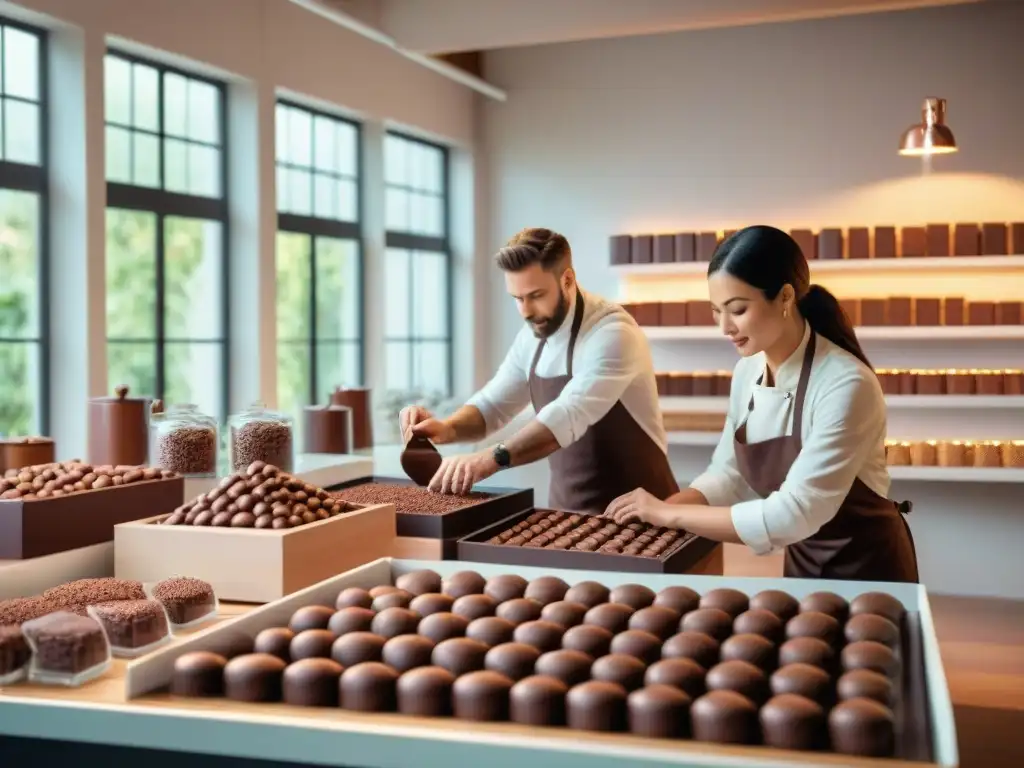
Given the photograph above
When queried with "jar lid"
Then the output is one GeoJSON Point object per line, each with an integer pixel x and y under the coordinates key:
{"type": "Point", "coordinates": [121, 396]}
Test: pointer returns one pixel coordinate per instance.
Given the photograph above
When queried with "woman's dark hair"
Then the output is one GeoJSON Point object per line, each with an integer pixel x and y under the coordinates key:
{"type": "Point", "coordinates": [767, 259]}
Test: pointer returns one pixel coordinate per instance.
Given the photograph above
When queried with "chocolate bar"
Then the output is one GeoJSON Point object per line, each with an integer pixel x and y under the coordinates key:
{"type": "Point", "coordinates": [621, 247]}
{"type": "Point", "coordinates": [642, 252]}
{"type": "Point", "coordinates": [885, 242]}
{"type": "Point", "coordinates": [981, 313]}
{"type": "Point", "coordinates": [901, 310]}
{"type": "Point", "coordinates": [648, 313]}
{"type": "Point", "coordinates": [993, 240]}
{"type": "Point", "coordinates": [938, 240]}
{"type": "Point", "coordinates": [966, 240]}
{"type": "Point", "coordinates": [852, 309]}
{"type": "Point", "coordinates": [807, 241]}
{"type": "Point", "coordinates": [707, 242]}
{"type": "Point", "coordinates": [664, 249]}
{"type": "Point", "coordinates": [953, 311]}
{"type": "Point", "coordinates": [874, 311]}
{"type": "Point", "coordinates": [1009, 313]}
{"type": "Point", "coordinates": [686, 246]}
{"type": "Point", "coordinates": [699, 313]}
{"type": "Point", "coordinates": [928, 311]}
{"type": "Point", "coordinates": [830, 244]}
{"type": "Point", "coordinates": [673, 313]}
{"type": "Point", "coordinates": [680, 384]}
{"type": "Point", "coordinates": [859, 242]}
{"type": "Point", "coordinates": [1017, 238]}
{"type": "Point", "coordinates": [913, 242]}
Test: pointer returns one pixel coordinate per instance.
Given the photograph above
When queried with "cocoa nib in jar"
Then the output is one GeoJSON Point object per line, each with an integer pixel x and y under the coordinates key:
{"type": "Point", "coordinates": [261, 436]}
{"type": "Point", "coordinates": [408, 499]}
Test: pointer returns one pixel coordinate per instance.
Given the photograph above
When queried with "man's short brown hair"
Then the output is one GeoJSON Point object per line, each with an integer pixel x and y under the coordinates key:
{"type": "Point", "coordinates": [535, 245]}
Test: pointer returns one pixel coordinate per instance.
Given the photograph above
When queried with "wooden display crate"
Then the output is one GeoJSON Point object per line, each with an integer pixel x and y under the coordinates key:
{"type": "Point", "coordinates": [249, 564]}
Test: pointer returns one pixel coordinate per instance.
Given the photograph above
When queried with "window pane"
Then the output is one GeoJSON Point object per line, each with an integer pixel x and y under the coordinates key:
{"type": "Point", "coordinates": [203, 171]}
{"type": "Point", "coordinates": [326, 148]}
{"type": "Point", "coordinates": [117, 90]}
{"type": "Point", "coordinates": [399, 374]}
{"type": "Point", "coordinates": [395, 160]}
{"type": "Point", "coordinates": [21, 64]}
{"type": "Point", "coordinates": [131, 276]}
{"type": "Point", "coordinates": [193, 279]}
{"type": "Point", "coordinates": [396, 217]}
{"type": "Point", "coordinates": [300, 136]}
{"type": "Point", "coordinates": [323, 197]}
{"type": "Point", "coordinates": [425, 215]}
{"type": "Point", "coordinates": [20, 389]}
{"type": "Point", "coordinates": [430, 303]}
{"type": "Point", "coordinates": [175, 165]}
{"type": "Point", "coordinates": [133, 365]}
{"type": "Point", "coordinates": [281, 132]}
{"type": "Point", "coordinates": [348, 149]}
{"type": "Point", "coordinates": [282, 189]}
{"type": "Point", "coordinates": [337, 289]}
{"type": "Point", "coordinates": [119, 155]}
{"type": "Point", "coordinates": [145, 92]}
{"type": "Point", "coordinates": [337, 365]}
{"type": "Point", "coordinates": [21, 132]}
{"type": "Point", "coordinates": [300, 185]}
{"type": "Point", "coordinates": [203, 112]}
{"type": "Point", "coordinates": [348, 202]}
{"type": "Point", "coordinates": [293, 286]}
{"type": "Point", "coordinates": [194, 374]}
{"type": "Point", "coordinates": [175, 105]}
{"type": "Point", "coordinates": [293, 376]}
{"type": "Point", "coordinates": [398, 280]}
{"type": "Point", "coordinates": [19, 266]}
{"type": "Point", "coordinates": [424, 167]}
{"type": "Point", "coordinates": [146, 160]}
{"type": "Point", "coordinates": [430, 359]}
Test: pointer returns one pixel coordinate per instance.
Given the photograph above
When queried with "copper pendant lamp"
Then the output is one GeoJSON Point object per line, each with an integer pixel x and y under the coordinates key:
{"type": "Point", "coordinates": [931, 136]}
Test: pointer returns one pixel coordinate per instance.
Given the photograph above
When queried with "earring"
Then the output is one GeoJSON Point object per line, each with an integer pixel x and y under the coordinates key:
{"type": "Point", "coordinates": [785, 313]}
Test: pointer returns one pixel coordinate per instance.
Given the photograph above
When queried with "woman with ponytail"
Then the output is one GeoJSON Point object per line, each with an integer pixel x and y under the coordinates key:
{"type": "Point", "coordinates": [801, 464]}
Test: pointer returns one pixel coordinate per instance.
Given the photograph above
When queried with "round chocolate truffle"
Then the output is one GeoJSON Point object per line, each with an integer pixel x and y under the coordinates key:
{"type": "Point", "coordinates": [425, 691]}
{"type": "Point", "coordinates": [658, 620]}
{"type": "Point", "coordinates": [636, 596]}
{"type": "Point", "coordinates": [514, 660]}
{"type": "Point", "coordinates": [685, 674]}
{"type": "Point", "coordinates": [459, 655]}
{"type": "Point", "coordinates": [732, 601]}
{"type": "Point", "coordinates": [199, 673]}
{"type": "Point", "coordinates": [782, 604]}
{"type": "Point", "coordinates": [519, 610]}
{"type": "Point", "coordinates": [407, 652]}
{"type": "Point", "coordinates": [542, 635]}
{"type": "Point", "coordinates": [441, 626]}
{"type": "Point", "coordinates": [871, 626]}
{"type": "Point", "coordinates": [310, 617]}
{"type": "Point", "coordinates": [589, 639]}
{"type": "Point", "coordinates": [724, 717]}
{"type": "Point", "coordinates": [565, 613]}
{"type": "Point", "coordinates": [679, 599]}
{"type": "Point", "coordinates": [865, 684]}
{"type": "Point", "coordinates": [472, 607]}
{"type": "Point", "coordinates": [711, 621]}
{"type": "Point", "coordinates": [597, 705]}
{"type": "Point", "coordinates": [879, 604]}
{"type": "Point", "coordinates": [368, 687]}
{"type": "Point", "coordinates": [481, 696]}
{"type": "Point", "coordinates": [351, 619]}
{"type": "Point", "coordinates": [758, 621]}
{"type": "Point", "coordinates": [789, 721]}
{"type": "Point", "coordinates": [805, 680]}
{"type": "Point", "coordinates": [311, 644]}
{"type": "Point", "coordinates": [702, 648]}
{"type": "Point", "coordinates": [463, 583]}
{"type": "Point", "coordinates": [353, 597]}
{"type": "Point", "coordinates": [636, 642]}
{"type": "Point", "coordinates": [274, 640]}
{"type": "Point", "coordinates": [611, 616]}
{"type": "Point", "coordinates": [814, 624]}
{"type": "Point", "coordinates": [508, 586]}
{"type": "Point", "coordinates": [618, 668]}
{"type": "Point", "coordinates": [538, 700]}
{"type": "Point", "coordinates": [491, 630]}
{"type": "Point", "coordinates": [433, 602]}
{"type": "Point", "coordinates": [383, 589]}
{"type": "Point", "coordinates": [356, 648]}
{"type": "Point", "coordinates": [253, 677]}
{"type": "Point", "coordinates": [862, 727]}
{"type": "Point", "coordinates": [807, 650]}
{"type": "Point", "coordinates": [740, 676]}
{"type": "Point", "coordinates": [546, 589]}
{"type": "Point", "coordinates": [311, 682]}
{"type": "Point", "coordinates": [759, 651]}
{"type": "Point", "coordinates": [393, 622]}
{"type": "Point", "coordinates": [571, 667]}
{"type": "Point", "coordinates": [397, 599]}
{"type": "Point", "coordinates": [659, 712]}
{"type": "Point", "coordinates": [419, 582]}
{"type": "Point", "coordinates": [867, 654]}
{"type": "Point", "coordinates": [828, 603]}
{"type": "Point", "coordinates": [587, 593]}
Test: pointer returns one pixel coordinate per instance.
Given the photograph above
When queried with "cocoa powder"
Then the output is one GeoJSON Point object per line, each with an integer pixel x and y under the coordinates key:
{"type": "Point", "coordinates": [408, 500]}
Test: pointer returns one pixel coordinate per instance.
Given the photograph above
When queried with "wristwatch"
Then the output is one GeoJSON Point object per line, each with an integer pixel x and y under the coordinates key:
{"type": "Point", "coordinates": [501, 456]}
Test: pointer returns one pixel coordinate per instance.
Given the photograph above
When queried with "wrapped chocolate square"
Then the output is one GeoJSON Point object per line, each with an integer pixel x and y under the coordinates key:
{"type": "Point", "coordinates": [67, 649]}
{"type": "Point", "coordinates": [133, 627]}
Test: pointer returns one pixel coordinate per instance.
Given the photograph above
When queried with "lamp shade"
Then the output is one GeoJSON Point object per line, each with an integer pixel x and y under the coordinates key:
{"type": "Point", "coordinates": [931, 136]}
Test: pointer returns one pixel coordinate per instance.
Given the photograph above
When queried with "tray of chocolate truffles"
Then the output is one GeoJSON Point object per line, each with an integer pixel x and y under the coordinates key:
{"type": "Point", "coordinates": [546, 537]}
{"type": "Point", "coordinates": [427, 514]}
{"type": "Point", "coordinates": [48, 508]}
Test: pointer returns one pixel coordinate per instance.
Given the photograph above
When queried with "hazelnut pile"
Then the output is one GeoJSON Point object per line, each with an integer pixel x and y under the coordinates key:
{"type": "Point", "coordinates": [48, 481]}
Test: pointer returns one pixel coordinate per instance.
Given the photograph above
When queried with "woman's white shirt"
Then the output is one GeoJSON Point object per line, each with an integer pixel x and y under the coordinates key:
{"type": "Point", "coordinates": [843, 435]}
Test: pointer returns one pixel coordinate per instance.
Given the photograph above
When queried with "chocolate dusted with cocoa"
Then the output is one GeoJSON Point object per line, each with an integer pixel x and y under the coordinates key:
{"type": "Point", "coordinates": [186, 600]}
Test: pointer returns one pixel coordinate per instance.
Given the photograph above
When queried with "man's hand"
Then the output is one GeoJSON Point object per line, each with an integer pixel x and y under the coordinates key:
{"type": "Point", "coordinates": [458, 474]}
{"type": "Point", "coordinates": [417, 420]}
{"type": "Point", "coordinates": [639, 506]}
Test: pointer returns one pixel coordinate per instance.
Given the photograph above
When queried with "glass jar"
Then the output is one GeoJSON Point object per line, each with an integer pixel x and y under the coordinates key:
{"type": "Point", "coordinates": [184, 440]}
{"type": "Point", "coordinates": [259, 434]}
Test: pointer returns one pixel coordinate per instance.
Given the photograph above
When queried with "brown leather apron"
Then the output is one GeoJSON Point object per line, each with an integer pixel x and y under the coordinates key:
{"type": "Point", "coordinates": [613, 457]}
{"type": "Point", "coordinates": [867, 540]}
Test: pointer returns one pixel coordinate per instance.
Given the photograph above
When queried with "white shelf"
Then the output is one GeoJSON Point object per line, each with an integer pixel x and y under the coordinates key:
{"type": "Point", "coordinates": [892, 333]}
{"type": "Point", "coordinates": [825, 266]}
{"type": "Point", "coordinates": [958, 474]}
{"type": "Point", "coordinates": [682, 437]}
{"type": "Point", "coordinates": [682, 404]}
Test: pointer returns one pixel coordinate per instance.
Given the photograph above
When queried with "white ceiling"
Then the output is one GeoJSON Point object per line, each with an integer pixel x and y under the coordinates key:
{"type": "Point", "coordinates": [447, 26]}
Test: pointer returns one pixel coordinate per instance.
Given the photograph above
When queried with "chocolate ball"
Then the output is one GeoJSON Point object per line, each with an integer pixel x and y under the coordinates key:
{"type": "Point", "coordinates": [519, 610]}
{"type": "Point", "coordinates": [621, 669]}
{"type": "Point", "coordinates": [820, 626]}
{"type": "Point", "coordinates": [759, 651]}
{"type": "Point", "coordinates": [758, 621]}
{"type": "Point", "coordinates": [805, 680]}
{"type": "Point", "coordinates": [397, 599]}
{"type": "Point", "coordinates": [659, 712]}
{"type": "Point", "coordinates": [463, 583]}
{"type": "Point", "coordinates": [776, 601]}
{"type": "Point", "coordinates": [538, 700]}
{"type": "Point", "coordinates": [732, 601]}
{"type": "Point", "coordinates": [442, 626]}
{"type": "Point", "coordinates": [546, 589]}
{"type": "Point", "coordinates": [611, 616]}
{"type": "Point", "coordinates": [636, 596]}
{"type": "Point", "coordinates": [828, 603]}
{"type": "Point", "coordinates": [542, 635]}
{"type": "Point", "coordinates": [658, 620]}
{"type": "Point", "coordinates": [514, 660]}
{"type": "Point", "coordinates": [459, 655]}
{"type": "Point", "coordinates": [393, 622]}
{"type": "Point", "coordinates": [353, 597]}
{"type": "Point", "coordinates": [597, 705]}
{"type": "Point", "coordinates": [472, 607]}
{"type": "Point", "coordinates": [351, 619]}
{"type": "Point", "coordinates": [789, 721]}
{"type": "Point", "coordinates": [879, 604]}
{"type": "Point", "coordinates": [508, 586]}
{"type": "Point", "coordinates": [710, 621]}
{"type": "Point", "coordinates": [684, 674]}
{"type": "Point", "coordinates": [587, 593]}
{"type": "Point", "coordinates": [589, 639]}
{"type": "Point", "coordinates": [739, 676]}
{"type": "Point", "coordinates": [311, 682]}
{"type": "Point", "coordinates": [407, 652]}
{"type": "Point", "coordinates": [481, 696]}
{"type": "Point", "coordinates": [702, 648]}
{"type": "Point", "coordinates": [491, 630]}
{"type": "Point", "coordinates": [368, 687]}
{"type": "Point", "coordinates": [862, 727]}
{"type": "Point", "coordinates": [198, 673]}
{"type": "Point", "coordinates": [724, 717]}
{"type": "Point", "coordinates": [383, 589]}
{"type": "Point", "coordinates": [253, 677]}
{"type": "Point", "coordinates": [636, 642]}
{"type": "Point", "coordinates": [870, 626]}
{"type": "Point", "coordinates": [565, 613]}
{"type": "Point", "coordinates": [868, 654]}
{"type": "Point", "coordinates": [356, 648]}
{"type": "Point", "coordinates": [310, 617]}
{"type": "Point", "coordinates": [571, 667]}
{"type": "Point", "coordinates": [311, 644]}
{"type": "Point", "coordinates": [425, 691]}
{"type": "Point", "coordinates": [419, 582]}
{"type": "Point", "coordinates": [431, 603]}
{"type": "Point", "coordinates": [276, 641]}
{"type": "Point", "coordinates": [865, 684]}
{"type": "Point", "coordinates": [679, 599]}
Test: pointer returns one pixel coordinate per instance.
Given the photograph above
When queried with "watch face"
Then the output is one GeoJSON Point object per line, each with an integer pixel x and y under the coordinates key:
{"type": "Point", "coordinates": [502, 456]}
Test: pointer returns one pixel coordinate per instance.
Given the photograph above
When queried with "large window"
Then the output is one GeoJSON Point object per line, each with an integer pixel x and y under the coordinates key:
{"type": "Point", "coordinates": [166, 233]}
{"type": "Point", "coordinates": [23, 309]}
{"type": "Point", "coordinates": [319, 274]}
{"type": "Point", "coordinates": [418, 268]}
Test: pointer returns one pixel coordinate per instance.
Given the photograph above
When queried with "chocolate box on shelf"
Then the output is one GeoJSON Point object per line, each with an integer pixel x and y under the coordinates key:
{"type": "Point", "coordinates": [673, 313]}
{"type": "Point", "coordinates": [852, 309]}
{"type": "Point", "coordinates": [680, 384]}
{"type": "Point", "coordinates": [685, 246]}
{"type": "Point", "coordinates": [927, 311]}
{"type": "Point", "coordinates": [953, 311]}
{"type": "Point", "coordinates": [807, 241]}
{"type": "Point", "coordinates": [885, 242]}
{"type": "Point", "coordinates": [981, 313]}
{"type": "Point", "coordinates": [646, 313]}
{"type": "Point", "coordinates": [938, 240]}
{"type": "Point", "coordinates": [620, 248]}
{"type": "Point", "coordinates": [858, 241]}
{"type": "Point", "coordinates": [913, 242]}
{"type": "Point", "coordinates": [642, 251]}
{"type": "Point", "coordinates": [1017, 238]}
{"type": "Point", "coordinates": [994, 239]}
{"type": "Point", "coordinates": [1009, 313]}
{"type": "Point", "coordinates": [706, 244]}
{"type": "Point", "coordinates": [830, 243]}
{"type": "Point", "coordinates": [698, 312]}
{"type": "Point", "coordinates": [966, 240]}
{"type": "Point", "coordinates": [874, 312]}
{"type": "Point", "coordinates": [901, 311]}
{"type": "Point", "coordinates": [664, 249]}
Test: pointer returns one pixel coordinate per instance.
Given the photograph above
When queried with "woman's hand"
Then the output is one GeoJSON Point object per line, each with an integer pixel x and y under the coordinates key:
{"type": "Point", "coordinates": [639, 506]}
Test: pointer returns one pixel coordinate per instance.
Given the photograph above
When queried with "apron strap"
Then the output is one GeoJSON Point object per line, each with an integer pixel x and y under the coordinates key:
{"type": "Point", "coordinates": [577, 323]}
{"type": "Point", "coordinates": [904, 507]}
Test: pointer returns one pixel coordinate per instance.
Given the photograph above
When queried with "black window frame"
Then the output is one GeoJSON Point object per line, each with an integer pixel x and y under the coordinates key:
{"type": "Point", "coordinates": [164, 204]}
{"type": "Point", "coordinates": [415, 242]}
{"type": "Point", "coordinates": [315, 227]}
{"type": "Point", "coordinates": [20, 177]}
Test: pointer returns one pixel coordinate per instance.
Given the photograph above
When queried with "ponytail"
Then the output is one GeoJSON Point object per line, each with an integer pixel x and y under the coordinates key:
{"type": "Point", "coordinates": [827, 318]}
